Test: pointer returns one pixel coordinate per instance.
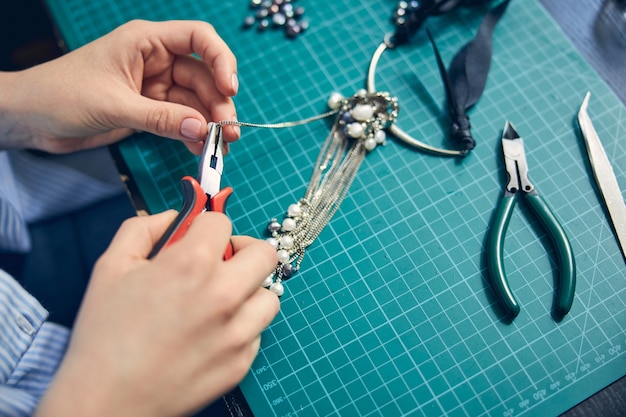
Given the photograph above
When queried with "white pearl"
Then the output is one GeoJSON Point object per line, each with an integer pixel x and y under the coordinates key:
{"type": "Point", "coordinates": [289, 224]}
{"type": "Point", "coordinates": [286, 242]}
{"type": "Point", "coordinates": [380, 136]}
{"type": "Point", "coordinates": [362, 112]}
{"type": "Point", "coordinates": [355, 130]}
{"type": "Point", "coordinates": [362, 92]}
{"type": "Point", "coordinates": [277, 288]}
{"type": "Point", "coordinates": [272, 241]}
{"type": "Point", "coordinates": [294, 210]}
{"type": "Point", "coordinates": [283, 256]}
{"type": "Point", "coordinates": [268, 281]}
{"type": "Point", "coordinates": [370, 144]}
{"type": "Point", "coordinates": [334, 101]}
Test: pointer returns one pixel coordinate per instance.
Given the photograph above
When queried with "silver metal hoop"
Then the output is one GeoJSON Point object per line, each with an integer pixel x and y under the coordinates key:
{"type": "Point", "coordinates": [394, 129]}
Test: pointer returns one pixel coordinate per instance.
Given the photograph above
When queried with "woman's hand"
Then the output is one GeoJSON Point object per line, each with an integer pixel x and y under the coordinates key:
{"type": "Point", "coordinates": [165, 336]}
{"type": "Point", "coordinates": [140, 77]}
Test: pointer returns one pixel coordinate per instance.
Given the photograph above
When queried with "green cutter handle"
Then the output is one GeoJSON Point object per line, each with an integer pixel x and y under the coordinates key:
{"type": "Point", "coordinates": [495, 254]}
{"type": "Point", "coordinates": [567, 268]}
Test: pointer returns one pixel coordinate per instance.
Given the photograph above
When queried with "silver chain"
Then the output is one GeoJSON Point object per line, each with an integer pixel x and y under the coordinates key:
{"type": "Point", "coordinates": [280, 125]}
{"type": "Point", "coordinates": [352, 136]}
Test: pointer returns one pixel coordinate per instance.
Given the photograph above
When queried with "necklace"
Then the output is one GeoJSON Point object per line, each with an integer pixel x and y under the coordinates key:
{"type": "Point", "coordinates": [361, 123]}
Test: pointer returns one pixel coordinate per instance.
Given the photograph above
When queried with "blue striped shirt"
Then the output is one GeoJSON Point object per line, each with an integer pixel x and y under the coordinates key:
{"type": "Point", "coordinates": [13, 230]}
{"type": "Point", "coordinates": [31, 349]}
{"type": "Point", "coordinates": [34, 187]}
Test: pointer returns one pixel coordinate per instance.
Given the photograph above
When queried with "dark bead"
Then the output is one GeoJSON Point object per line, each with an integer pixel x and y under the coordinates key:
{"type": "Point", "coordinates": [293, 31]}
{"type": "Point", "coordinates": [273, 226]}
{"type": "Point", "coordinates": [298, 11]}
{"type": "Point", "coordinates": [347, 118]}
{"type": "Point", "coordinates": [288, 271]}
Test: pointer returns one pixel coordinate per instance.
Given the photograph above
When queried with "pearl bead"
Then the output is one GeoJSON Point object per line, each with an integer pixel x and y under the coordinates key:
{"type": "Point", "coordinates": [272, 241]}
{"type": "Point", "coordinates": [277, 288]}
{"type": "Point", "coordinates": [289, 224]}
{"type": "Point", "coordinates": [362, 92]}
{"type": "Point", "coordinates": [335, 100]}
{"type": "Point", "coordinates": [354, 130]}
{"type": "Point", "coordinates": [286, 242]}
{"type": "Point", "coordinates": [268, 281]}
{"type": "Point", "coordinates": [370, 144]}
{"type": "Point", "coordinates": [362, 112]}
{"type": "Point", "coordinates": [294, 210]}
{"type": "Point", "coordinates": [380, 136]}
{"type": "Point", "coordinates": [283, 256]}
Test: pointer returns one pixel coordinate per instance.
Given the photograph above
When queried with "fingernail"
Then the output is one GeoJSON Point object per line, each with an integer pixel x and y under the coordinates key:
{"type": "Point", "coordinates": [234, 81]}
{"type": "Point", "coordinates": [191, 129]}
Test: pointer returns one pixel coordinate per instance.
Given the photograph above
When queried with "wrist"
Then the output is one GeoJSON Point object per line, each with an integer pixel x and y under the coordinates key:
{"type": "Point", "coordinates": [14, 134]}
{"type": "Point", "coordinates": [86, 389]}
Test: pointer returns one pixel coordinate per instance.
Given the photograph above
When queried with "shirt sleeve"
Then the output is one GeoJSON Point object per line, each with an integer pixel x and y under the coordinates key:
{"type": "Point", "coordinates": [31, 349]}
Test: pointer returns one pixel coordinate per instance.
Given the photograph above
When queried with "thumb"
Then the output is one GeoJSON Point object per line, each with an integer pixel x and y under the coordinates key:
{"type": "Point", "coordinates": [166, 119]}
{"type": "Point", "coordinates": [137, 235]}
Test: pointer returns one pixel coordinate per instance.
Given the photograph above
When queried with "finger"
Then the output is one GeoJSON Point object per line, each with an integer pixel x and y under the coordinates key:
{"type": "Point", "coordinates": [213, 107]}
{"type": "Point", "coordinates": [252, 262]}
{"type": "Point", "coordinates": [187, 37]}
{"type": "Point", "coordinates": [209, 233]}
{"type": "Point", "coordinates": [162, 118]}
{"type": "Point", "coordinates": [196, 79]}
{"type": "Point", "coordinates": [254, 316]}
{"type": "Point", "coordinates": [137, 235]}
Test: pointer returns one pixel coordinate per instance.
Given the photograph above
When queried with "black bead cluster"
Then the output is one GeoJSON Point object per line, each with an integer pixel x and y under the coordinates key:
{"type": "Point", "coordinates": [409, 16]}
{"type": "Point", "coordinates": [278, 14]}
{"type": "Point", "coordinates": [403, 11]}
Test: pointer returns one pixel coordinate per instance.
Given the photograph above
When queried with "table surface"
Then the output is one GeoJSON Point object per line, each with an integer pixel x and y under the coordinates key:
{"type": "Point", "coordinates": [392, 312]}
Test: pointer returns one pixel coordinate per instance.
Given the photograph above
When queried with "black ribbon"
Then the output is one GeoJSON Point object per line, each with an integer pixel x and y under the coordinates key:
{"type": "Point", "coordinates": [466, 78]}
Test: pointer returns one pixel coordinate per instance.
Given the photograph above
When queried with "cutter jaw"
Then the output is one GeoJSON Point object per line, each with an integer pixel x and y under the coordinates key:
{"type": "Point", "coordinates": [515, 161]}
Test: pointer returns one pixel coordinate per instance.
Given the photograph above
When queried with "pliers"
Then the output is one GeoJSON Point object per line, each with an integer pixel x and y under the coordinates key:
{"type": "Point", "coordinates": [518, 183]}
{"type": "Point", "coordinates": [200, 195]}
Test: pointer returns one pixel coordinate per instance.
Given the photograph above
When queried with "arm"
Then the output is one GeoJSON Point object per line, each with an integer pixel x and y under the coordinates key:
{"type": "Point", "coordinates": [141, 76]}
{"type": "Point", "coordinates": [166, 336]}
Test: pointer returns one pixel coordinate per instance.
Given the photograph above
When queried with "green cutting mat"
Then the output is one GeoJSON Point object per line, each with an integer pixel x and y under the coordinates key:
{"type": "Point", "coordinates": [392, 313]}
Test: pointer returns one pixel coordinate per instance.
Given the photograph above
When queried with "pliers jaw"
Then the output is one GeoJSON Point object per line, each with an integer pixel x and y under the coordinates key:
{"type": "Point", "coordinates": [211, 163]}
{"type": "Point", "coordinates": [515, 161]}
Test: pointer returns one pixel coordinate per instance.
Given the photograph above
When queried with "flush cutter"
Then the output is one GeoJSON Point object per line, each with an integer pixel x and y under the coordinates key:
{"type": "Point", "coordinates": [518, 183]}
{"type": "Point", "coordinates": [203, 194]}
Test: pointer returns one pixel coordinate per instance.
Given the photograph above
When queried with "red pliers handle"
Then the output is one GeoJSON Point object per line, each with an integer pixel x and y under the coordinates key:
{"type": "Point", "coordinates": [195, 201]}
